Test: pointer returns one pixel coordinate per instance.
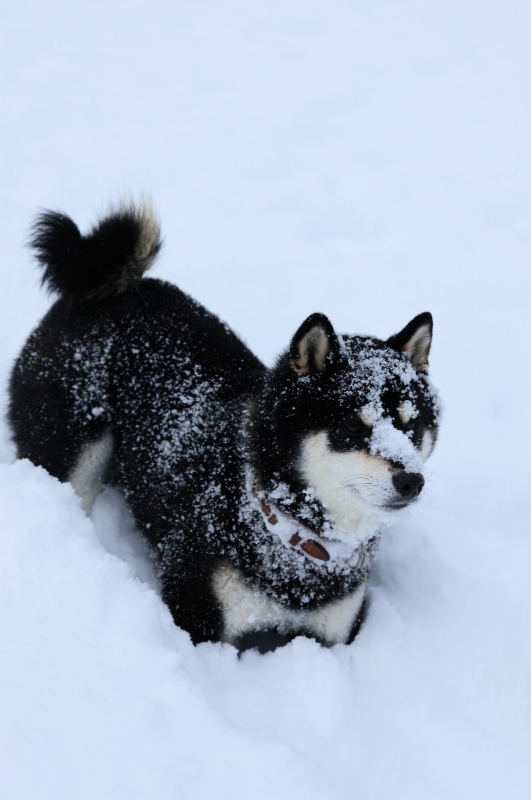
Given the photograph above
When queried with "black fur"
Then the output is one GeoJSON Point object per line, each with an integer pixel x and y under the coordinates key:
{"type": "Point", "coordinates": [104, 262]}
{"type": "Point", "coordinates": [177, 388]}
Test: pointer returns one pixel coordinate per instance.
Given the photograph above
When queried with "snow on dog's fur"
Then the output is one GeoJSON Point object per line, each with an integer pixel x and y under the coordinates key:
{"type": "Point", "coordinates": [262, 491]}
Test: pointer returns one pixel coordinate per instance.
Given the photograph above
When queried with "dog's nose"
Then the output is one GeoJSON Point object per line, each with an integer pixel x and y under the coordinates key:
{"type": "Point", "coordinates": [408, 484]}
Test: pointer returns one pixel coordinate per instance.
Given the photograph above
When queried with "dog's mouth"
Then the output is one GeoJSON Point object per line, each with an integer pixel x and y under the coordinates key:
{"type": "Point", "coordinates": [396, 506]}
{"type": "Point", "coordinates": [385, 505]}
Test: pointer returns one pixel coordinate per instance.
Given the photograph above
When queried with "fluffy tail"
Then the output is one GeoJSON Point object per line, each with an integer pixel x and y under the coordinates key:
{"type": "Point", "coordinates": [106, 262]}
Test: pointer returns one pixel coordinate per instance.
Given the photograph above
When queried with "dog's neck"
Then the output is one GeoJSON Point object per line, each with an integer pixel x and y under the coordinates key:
{"type": "Point", "coordinates": [290, 500]}
{"type": "Point", "coordinates": [290, 491]}
{"type": "Point", "coordinates": [285, 489]}
{"type": "Point", "coordinates": [300, 504]}
{"type": "Point", "coordinates": [294, 533]}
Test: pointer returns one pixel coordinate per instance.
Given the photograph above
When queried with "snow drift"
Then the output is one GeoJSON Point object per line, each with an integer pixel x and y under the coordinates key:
{"type": "Point", "coordinates": [366, 160]}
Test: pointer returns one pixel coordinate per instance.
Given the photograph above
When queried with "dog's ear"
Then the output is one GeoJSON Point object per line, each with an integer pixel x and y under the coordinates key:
{"type": "Point", "coordinates": [310, 346]}
{"type": "Point", "coordinates": [415, 340]}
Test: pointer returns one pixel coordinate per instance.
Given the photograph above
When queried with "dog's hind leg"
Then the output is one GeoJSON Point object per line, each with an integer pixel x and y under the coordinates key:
{"type": "Point", "coordinates": [87, 474]}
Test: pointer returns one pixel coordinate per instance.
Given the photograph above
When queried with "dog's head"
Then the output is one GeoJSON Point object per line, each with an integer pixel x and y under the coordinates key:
{"type": "Point", "coordinates": [351, 417]}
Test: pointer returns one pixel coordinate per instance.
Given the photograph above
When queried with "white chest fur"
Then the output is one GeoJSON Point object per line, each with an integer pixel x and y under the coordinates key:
{"type": "Point", "coordinates": [246, 610]}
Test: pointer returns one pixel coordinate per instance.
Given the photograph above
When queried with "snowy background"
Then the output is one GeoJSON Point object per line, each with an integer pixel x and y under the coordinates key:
{"type": "Point", "coordinates": [369, 159]}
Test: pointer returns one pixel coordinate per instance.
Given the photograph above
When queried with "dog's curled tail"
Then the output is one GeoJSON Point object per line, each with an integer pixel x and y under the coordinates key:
{"type": "Point", "coordinates": [106, 262]}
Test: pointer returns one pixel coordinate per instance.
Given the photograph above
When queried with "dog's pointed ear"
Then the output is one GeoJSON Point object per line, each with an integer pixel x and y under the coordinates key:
{"type": "Point", "coordinates": [415, 340]}
{"type": "Point", "coordinates": [311, 345]}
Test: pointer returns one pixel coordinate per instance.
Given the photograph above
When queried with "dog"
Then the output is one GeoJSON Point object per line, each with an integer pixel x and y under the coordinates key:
{"type": "Point", "coordinates": [262, 492]}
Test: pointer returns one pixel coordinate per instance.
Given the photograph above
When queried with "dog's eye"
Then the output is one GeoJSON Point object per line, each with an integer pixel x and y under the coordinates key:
{"type": "Point", "coordinates": [349, 434]}
{"type": "Point", "coordinates": [410, 426]}
{"type": "Point", "coordinates": [353, 427]}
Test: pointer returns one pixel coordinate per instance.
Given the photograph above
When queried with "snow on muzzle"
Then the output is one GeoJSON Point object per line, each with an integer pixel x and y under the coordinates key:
{"type": "Point", "coordinates": [394, 445]}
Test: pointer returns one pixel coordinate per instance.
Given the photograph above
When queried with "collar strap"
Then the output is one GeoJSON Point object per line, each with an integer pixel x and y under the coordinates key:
{"type": "Point", "coordinates": [310, 546]}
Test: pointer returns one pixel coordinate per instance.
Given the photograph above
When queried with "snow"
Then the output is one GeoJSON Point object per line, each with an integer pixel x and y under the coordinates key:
{"type": "Point", "coordinates": [391, 443]}
{"type": "Point", "coordinates": [366, 160]}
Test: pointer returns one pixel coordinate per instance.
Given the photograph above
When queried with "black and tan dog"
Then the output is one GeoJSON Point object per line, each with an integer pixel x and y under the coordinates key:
{"type": "Point", "coordinates": [262, 491]}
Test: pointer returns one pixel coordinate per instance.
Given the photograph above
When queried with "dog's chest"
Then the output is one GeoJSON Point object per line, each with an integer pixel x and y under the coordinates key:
{"type": "Point", "coordinates": [246, 609]}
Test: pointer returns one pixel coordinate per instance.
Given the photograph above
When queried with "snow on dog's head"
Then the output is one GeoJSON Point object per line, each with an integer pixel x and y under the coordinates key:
{"type": "Point", "coordinates": [352, 417]}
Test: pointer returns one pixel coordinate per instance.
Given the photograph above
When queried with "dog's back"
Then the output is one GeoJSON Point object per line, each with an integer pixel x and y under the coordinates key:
{"type": "Point", "coordinates": [114, 348]}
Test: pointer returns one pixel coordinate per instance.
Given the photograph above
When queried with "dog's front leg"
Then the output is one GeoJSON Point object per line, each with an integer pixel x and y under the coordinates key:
{"type": "Point", "coordinates": [186, 590]}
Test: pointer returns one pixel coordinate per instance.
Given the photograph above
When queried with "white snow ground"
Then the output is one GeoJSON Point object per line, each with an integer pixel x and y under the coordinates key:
{"type": "Point", "coordinates": [370, 160]}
